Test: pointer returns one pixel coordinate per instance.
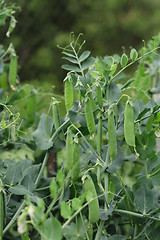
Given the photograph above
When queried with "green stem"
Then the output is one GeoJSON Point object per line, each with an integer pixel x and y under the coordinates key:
{"type": "Point", "coordinates": [128, 65]}
{"type": "Point", "coordinates": [14, 218]}
{"type": "Point", "coordinates": [89, 145]}
{"type": "Point", "coordinates": [59, 129]}
{"type": "Point", "coordinates": [98, 234]}
{"type": "Point", "coordinates": [42, 169]}
{"type": "Point", "coordinates": [135, 214]}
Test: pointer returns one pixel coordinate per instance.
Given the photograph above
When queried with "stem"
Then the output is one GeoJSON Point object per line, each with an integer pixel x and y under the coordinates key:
{"type": "Point", "coordinates": [128, 65]}
{"type": "Point", "coordinates": [78, 60]}
{"type": "Point", "coordinates": [98, 235]}
{"type": "Point", "coordinates": [59, 129]}
{"type": "Point", "coordinates": [139, 120]}
{"type": "Point", "coordinates": [79, 210]}
{"type": "Point", "coordinates": [42, 169]}
{"type": "Point", "coordinates": [14, 218]}
{"type": "Point", "coordinates": [135, 214]}
{"type": "Point", "coordinates": [89, 145]}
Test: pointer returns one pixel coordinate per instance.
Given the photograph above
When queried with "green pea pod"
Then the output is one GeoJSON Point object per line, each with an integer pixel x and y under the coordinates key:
{"type": "Point", "coordinates": [56, 116]}
{"type": "Point", "coordinates": [94, 204]}
{"type": "Point", "coordinates": [112, 136]}
{"type": "Point", "coordinates": [99, 96]}
{"type": "Point", "coordinates": [76, 162]}
{"type": "Point", "coordinates": [68, 164]}
{"type": "Point", "coordinates": [3, 81]}
{"type": "Point", "coordinates": [89, 117]}
{"type": "Point", "coordinates": [99, 136]}
{"type": "Point", "coordinates": [31, 106]}
{"type": "Point", "coordinates": [68, 92]}
{"type": "Point", "coordinates": [129, 124]}
{"type": "Point", "coordinates": [1, 209]}
{"type": "Point", "coordinates": [13, 70]}
{"type": "Point", "coordinates": [94, 106]}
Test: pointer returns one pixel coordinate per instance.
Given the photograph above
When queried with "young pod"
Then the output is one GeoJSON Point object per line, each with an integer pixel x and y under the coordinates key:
{"type": "Point", "coordinates": [68, 164]}
{"type": "Point", "coordinates": [94, 204]}
{"type": "Point", "coordinates": [112, 136]}
{"type": "Point", "coordinates": [129, 124]}
{"type": "Point", "coordinates": [76, 162]}
{"type": "Point", "coordinates": [68, 92]}
{"type": "Point", "coordinates": [56, 116]}
{"type": "Point", "coordinates": [99, 96]}
{"type": "Point", "coordinates": [31, 105]}
{"type": "Point", "coordinates": [13, 70]}
{"type": "Point", "coordinates": [99, 136]}
{"type": "Point", "coordinates": [89, 116]}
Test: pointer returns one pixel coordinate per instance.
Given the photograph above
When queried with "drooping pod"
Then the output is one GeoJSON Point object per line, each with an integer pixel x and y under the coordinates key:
{"type": "Point", "coordinates": [31, 105]}
{"type": "Point", "coordinates": [112, 136]}
{"type": "Point", "coordinates": [99, 135]}
{"type": "Point", "coordinates": [13, 71]}
{"type": "Point", "coordinates": [89, 117]}
{"type": "Point", "coordinates": [55, 115]}
{"type": "Point", "coordinates": [68, 92]}
{"type": "Point", "coordinates": [68, 164]}
{"type": "Point", "coordinates": [76, 162]}
{"type": "Point", "coordinates": [99, 96]}
{"type": "Point", "coordinates": [129, 124]}
{"type": "Point", "coordinates": [93, 205]}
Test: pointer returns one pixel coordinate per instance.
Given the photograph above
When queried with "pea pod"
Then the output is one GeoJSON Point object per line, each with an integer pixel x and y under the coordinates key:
{"type": "Point", "coordinates": [112, 136]}
{"type": "Point", "coordinates": [89, 117]}
{"type": "Point", "coordinates": [31, 105]}
{"type": "Point", "coordinates": [56, 116]}
{"type": "Point", "coordinates": [94, 204]}
{"type": "Point", "coordinates": [13, 70]}
{"type": "Point", "coordinates": [76, 162]}
{"type": "Point", "coordinates": [99, 96]}
{"type": "Point", "coordinates": [1, 209]}
{"type": "Point", "coordinates": [99, 136]}
{"type": "Point", "coordinates": [94, 106]}
{"type": "Point", "coordinates": [68, 164]}
{"type": "Point", "coordinates": [129, 124]}
{"type": "Point", "coordinates": [68, 92]}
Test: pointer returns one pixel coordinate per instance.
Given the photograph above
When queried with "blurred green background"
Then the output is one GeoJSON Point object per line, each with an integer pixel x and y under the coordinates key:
{"type": "Point", "coordinates": [107, 25]}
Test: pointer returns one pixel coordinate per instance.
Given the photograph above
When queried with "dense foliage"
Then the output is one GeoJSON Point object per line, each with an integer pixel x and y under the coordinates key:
{"type": "Point", "coordinates": [104, 183]}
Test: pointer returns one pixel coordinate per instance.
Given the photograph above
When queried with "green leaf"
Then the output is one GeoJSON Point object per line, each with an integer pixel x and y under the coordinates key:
{"type": "Point", "coordinates": [43, 133]}
{"type": "Point", "coordinates": [60, 178]}
{"type": "Point", "coordinates": [90, 61]}
{"type": "Point", "coordinates": [133, 54]}
{"type": "Point", "coordinates": [124, 60]}
{"type": "Point", "coordinates": [144, 199]}
{"type": "Point", "coordinates": [84, 56]}
{"type": "Point", "coordinates": [71, 68]}
{"type": "Point", "coordinates": [28, 183]}
{"type": "Point", "coordinates": [19, 190]}
{"type": "Point", "coordinates": [69, 54]}
{"type": "Point", "coordinates": [76, 203]}
{"type": "Point", "coordinates": [53, 188]}
{"type": "Point", "coordinates": [66, 211]}
{"type": "Point", "coordinates": [72, 60]}
{"type": "Point", "coordinates": [51, 229]}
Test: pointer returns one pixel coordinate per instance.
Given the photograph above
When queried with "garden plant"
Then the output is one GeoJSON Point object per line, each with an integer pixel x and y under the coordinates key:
{"type": "Point", "coordinates": [105, 183]}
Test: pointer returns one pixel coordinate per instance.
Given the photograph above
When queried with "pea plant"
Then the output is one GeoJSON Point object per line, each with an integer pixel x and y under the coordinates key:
{"type": "Point", "coordinates": [106, 181]}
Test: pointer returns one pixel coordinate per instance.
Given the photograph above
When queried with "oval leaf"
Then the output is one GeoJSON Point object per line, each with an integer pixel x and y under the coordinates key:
{"type": "Point", "coordinates": [133, 54]}
{"type": "Point", "coordinates": [84, 56]}
{"type": "Point", "coordinates": [124, 60]}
